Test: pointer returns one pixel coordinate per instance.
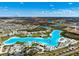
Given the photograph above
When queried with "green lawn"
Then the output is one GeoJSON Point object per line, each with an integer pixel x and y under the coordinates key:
{"type": "Point", "coordinates": [36, 34]}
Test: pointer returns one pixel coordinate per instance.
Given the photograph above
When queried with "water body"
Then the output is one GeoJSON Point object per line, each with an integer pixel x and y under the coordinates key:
{"type": "Point", "coordinates": [51, 41]}
{"type": "Point", "coordinates": [49, 20]}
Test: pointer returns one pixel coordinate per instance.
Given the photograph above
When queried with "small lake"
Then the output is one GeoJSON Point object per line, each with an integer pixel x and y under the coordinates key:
{"type": "Point", "coordinates": [51, 41]}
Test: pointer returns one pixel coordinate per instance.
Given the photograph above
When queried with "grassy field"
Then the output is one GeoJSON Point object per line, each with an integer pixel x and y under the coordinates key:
{"type": "Point", "coordinates": [3, 39]}
{"type": "Point", "coordinates": [36, 34]}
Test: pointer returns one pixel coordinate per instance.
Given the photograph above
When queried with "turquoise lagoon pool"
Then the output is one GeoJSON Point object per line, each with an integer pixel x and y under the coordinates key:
{"type": "Point", "coordinates": [51, 41]}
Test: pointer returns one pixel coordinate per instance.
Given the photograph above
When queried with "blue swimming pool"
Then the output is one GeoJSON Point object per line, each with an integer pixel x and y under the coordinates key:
{"type": "Point", "coordinates": [51, 41]}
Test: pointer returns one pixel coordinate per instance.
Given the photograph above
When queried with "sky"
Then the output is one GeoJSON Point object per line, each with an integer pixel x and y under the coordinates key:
{"type": "Point", "coordinates": [39, 9]}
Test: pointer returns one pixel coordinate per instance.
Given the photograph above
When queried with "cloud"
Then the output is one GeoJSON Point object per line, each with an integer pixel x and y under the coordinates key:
{"type": "Point", "coordinates": [74, 12]}
{"type": "Point", "coordinates": [61, 13]}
